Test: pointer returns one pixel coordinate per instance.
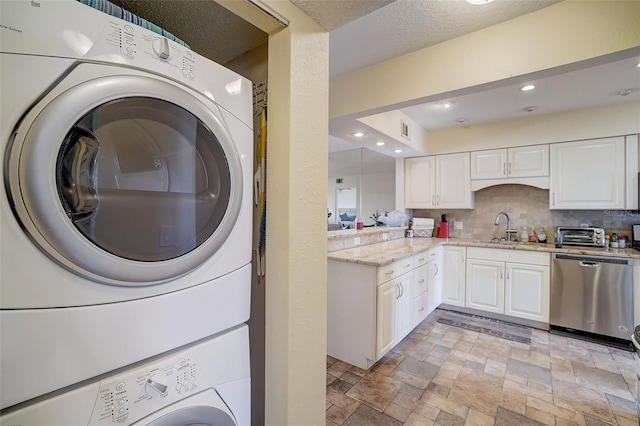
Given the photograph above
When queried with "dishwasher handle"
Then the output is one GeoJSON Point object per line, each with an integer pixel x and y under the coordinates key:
{"type": "Point", "coordinates": [588, 264]}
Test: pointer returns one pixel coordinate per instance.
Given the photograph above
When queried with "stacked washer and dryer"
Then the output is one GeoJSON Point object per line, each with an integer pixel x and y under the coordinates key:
{"type": "Point", "coordinates": [125, 224]}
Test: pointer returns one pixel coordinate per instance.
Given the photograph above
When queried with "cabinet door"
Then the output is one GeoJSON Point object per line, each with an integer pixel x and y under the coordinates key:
{"type": "Point", "coordinates": [588, 175]}
{"type": "Point", "coordinates": [420, 182]}
{"type": "Point", "coordinates": [434, 293]}
{"type": "Point", "coordinates": [385, 321]}
{"type": "Point", "coordinates": [403, 314]}
{"type": "Point", "coordinates": [528, 161]}
{"type": "Point", "coordinates": [454, 273]}
{"type": "Point", "coordinates": [453, 181]}
{"type": "Point", "coordinates": [491, 164]}
{"type": "Point", "coordinates": [485, 285]}
{"type": "Point", "coordinates": [527, 292]}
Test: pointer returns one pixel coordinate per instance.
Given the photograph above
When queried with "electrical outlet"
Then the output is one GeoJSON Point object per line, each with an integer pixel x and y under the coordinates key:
{"type": "Point", "coordinates": [385, 236]}
{"type": "Point", "coordinates": [356, 241]}
{"type": "Point", "coordinates": [457, 225]}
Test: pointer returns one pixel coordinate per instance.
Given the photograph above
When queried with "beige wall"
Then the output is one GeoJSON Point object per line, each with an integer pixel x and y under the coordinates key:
{"type": "Point", "coordinates": [296, 306]}
{"type": "Point", "coordinates": [555, 36]}
{"type": "Point", "coordinates": [591, 123]}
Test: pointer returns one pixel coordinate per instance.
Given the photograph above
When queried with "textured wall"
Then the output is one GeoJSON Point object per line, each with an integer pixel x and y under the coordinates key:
{"type": "Point", "coordinates": [527, 206]}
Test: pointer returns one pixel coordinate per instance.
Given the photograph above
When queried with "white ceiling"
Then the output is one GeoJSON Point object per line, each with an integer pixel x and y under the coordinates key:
{"type": "Point", "coordinates": [365, 32]}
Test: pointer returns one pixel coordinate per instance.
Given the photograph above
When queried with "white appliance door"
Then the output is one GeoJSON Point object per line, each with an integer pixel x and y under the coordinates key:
{"type": "Point", "coordinates": [203, 409]}
{"type": "Point", "coordinates": [126, 180]}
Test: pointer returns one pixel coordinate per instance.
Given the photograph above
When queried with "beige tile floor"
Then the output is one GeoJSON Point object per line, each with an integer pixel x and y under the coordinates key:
{"type": "Point", "coordinates": [444, 375]}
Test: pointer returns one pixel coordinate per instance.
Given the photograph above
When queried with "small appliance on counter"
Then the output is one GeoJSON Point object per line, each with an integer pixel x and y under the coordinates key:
{"type": "Point", "coordinates": [576, 236]}
{"type": "Point", "coordinates": [443, 229]}
{"type": "Point", "coordinates": [635, 243]}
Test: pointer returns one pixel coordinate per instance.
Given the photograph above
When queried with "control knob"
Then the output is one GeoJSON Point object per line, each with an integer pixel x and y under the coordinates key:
{"type": "Point", "coordinates": [161, 48]}
{"type": "Point", "coordinates": [156, 384]}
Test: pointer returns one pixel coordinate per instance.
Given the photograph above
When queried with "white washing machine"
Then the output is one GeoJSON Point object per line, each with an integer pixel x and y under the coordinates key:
{"type": "Point", "coordinates": [125, 220]}
{"type": "Point", "coordinates": [207, 384]}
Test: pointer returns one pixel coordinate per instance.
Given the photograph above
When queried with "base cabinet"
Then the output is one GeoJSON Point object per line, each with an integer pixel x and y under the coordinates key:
{"type": "Point", "coordinates": [454, 275]}
{"type": "Point", "coordinates": [514, 283]}
{"type": "Point", "coordinates": [371, 309]}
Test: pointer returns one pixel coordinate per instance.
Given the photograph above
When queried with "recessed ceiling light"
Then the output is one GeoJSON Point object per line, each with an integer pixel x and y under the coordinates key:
{"type": "Point", "coordinates": [380, 143]}
{"type": "Point", "coordinates": [397, 151]}
{"type": "Point", "coordinates": [461, 120]}
{"type": "Point", "coordinates": [447, 104]}
{"type": "Point", "coordinates": [638, 65]}
{"type": "Point", "coordinates": [530, 108]}
{"type": "Point", "coordinates": [479, 1]}
{"type": "Point", "coordinates": [626, 92]}
{"type": "Point", "coordinates": [357, 134]}
{"type": "Point", "coordinates": [528, 87]}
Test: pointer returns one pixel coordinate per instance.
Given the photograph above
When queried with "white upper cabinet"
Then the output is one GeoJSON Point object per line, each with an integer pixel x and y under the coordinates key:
{"type": "Point", "coordinates": [441, 181]}
{"type": "Point", "coordinates": [524, 165]}
{"type": "Point", "coordinates": [588, 175]}
{"type": "Point", "coordinates": [420, 182]}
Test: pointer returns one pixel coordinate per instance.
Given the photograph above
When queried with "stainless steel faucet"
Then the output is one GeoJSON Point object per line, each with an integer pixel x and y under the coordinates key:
{"type": "Point", "coordinates": [497, 223]}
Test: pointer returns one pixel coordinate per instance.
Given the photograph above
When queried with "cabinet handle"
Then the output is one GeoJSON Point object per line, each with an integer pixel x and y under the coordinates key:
{"type": "Point", "coordinates": [421, 281]}
{"type": "Point", "coordinates": [437, 200]}
{"type": "Point", "coordinates": [398, 288]}
{"type": "Point", "coordinates": [463, 258]}
{"type": "Point", "coordinates": [501, 273]}
{"type": "Point", "coordinates": [421, 259]}
{"type": "Point", "coordinates": [504, 168]}
{"type": "Point", "coordinates": [508, 273]}
{"type": "Point", "coordinates": [509, 167]}
{"type": "Point", "coordinates": [421, 309]}
{"type": "Point", "coordinates": [553, 203]}
{"type": "Point", "coordinates": [433, 200]}
{"type": "Point", "coordinates": [390, 272]}
{"type": "Point", "coordinates": [402, 290]}
{"type": "Point", "coordinates": [436, 269]}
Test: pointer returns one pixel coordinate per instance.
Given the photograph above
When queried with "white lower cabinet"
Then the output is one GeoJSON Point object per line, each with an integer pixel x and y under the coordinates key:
{"type": "Point", "coordinates": [427, 284]}
{"type": "Point", "coordinates": [371, 309]}
{"type": "Point", "coordinates": [485, 285]}
{"type": "Point", "coordinates": [510, 282]}
{"type": "Point", "coordinates": [454, 273]}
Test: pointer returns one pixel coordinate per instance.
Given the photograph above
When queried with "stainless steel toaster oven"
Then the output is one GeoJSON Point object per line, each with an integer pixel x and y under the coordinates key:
{"type": "Point", "coordinates": [576, 236]}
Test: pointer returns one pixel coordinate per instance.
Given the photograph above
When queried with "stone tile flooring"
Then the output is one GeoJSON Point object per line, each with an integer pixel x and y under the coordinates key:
{"type": "Point", "coordinates": [444, 375]}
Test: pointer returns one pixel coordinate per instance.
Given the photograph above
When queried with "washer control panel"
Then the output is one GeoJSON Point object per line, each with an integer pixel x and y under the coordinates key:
{"type": "Point", "coordinates": [141, 47]}
{"type": "Point", "coordinates": [126, 398]}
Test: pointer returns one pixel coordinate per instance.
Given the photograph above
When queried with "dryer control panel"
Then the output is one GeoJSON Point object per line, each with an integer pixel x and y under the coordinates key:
{"type": "Point", "coordinates": [126, 398]}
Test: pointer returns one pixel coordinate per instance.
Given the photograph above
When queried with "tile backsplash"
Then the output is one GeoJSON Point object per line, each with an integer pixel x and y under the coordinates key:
{"type": "Point", "coordinates": [526, 206]}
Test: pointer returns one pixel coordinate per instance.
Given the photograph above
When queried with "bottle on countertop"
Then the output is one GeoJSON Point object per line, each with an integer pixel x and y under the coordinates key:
{"type": "Point", "coordinates": [542, 236]}
{"type": "Point", "coordinates": [532, 236]}
{"type": "Point", "coordinates": [524, 235]}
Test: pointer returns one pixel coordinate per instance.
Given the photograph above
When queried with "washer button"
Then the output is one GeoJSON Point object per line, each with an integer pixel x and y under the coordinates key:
{"type": "Point", "coordinates": [120, 386]}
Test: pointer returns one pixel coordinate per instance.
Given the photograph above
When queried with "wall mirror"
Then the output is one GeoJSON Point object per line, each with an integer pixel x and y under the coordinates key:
{"type": "Point", "coordinates": [363, 177]}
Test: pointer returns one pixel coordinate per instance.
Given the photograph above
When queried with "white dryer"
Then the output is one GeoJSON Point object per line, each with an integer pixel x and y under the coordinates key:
{"type": "Point", "coordinates": [125, 223]}
{"type": "Point", "coordinates": [207, 384]}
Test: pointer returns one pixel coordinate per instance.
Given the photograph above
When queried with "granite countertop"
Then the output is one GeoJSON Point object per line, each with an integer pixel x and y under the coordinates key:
{"type": "Point", "coordinates": [381, 254]}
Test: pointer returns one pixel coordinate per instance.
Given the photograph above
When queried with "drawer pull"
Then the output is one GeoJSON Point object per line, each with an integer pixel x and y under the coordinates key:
{"type": "Point", "coordinates": [421, 281]}
{"type": "Point", "coordinates": [390, 272]}
{"type": "Point", "coordinates": [421, 259]}
{"type": "Point", "coordinates": [421, 309]}
{"type": "Point", "coordinates": [408, 265]}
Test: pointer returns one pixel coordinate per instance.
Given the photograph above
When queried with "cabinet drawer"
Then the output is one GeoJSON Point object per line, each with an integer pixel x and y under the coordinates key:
{"type": "Point", "coordinates": [395, 269]}
{"type": "Point", "coordinates": [420, 280]}
{"type": "Point", "coordinates": [422, 258]}
{"type": "Point", "coordinates": [420, 309]}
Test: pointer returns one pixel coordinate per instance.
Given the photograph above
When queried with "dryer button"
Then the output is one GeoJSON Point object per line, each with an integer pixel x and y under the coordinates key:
{"type": "Point", "coordinates": [120, 386]}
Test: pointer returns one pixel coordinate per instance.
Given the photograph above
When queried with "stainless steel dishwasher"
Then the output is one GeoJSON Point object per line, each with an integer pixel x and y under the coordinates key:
{"type": "Point", "coordinates": [592, 294]}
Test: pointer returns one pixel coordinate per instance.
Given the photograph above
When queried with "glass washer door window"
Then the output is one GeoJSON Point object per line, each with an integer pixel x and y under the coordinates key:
{"type": "Point", "coordinates": [142, 188]}
{"type": "Point", "coordinates": [143, 179]}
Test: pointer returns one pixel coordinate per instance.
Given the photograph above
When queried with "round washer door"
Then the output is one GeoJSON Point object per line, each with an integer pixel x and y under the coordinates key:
{"type": "Point", "coordinates": [126, 180]}
{"type": "Point", "coordinates": [203, 409]}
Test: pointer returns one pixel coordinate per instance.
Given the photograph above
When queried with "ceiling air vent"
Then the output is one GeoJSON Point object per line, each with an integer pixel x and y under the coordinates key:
{"type": "Point", "coordinates": [404, 130]}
